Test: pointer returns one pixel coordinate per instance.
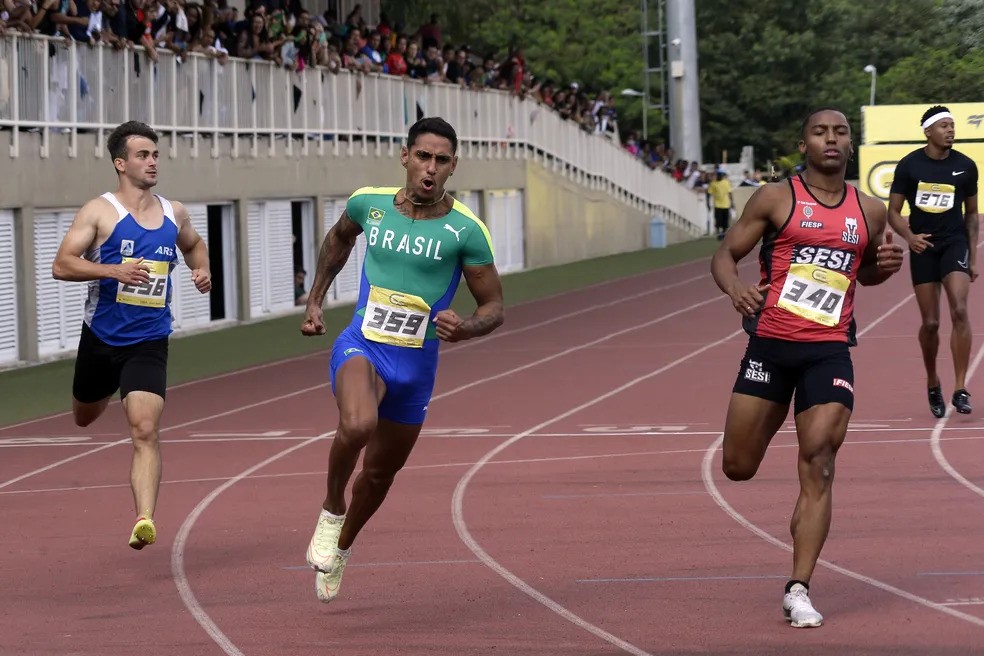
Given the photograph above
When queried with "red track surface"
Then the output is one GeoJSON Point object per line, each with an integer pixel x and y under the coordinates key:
{"type": "Point", "coordinates": [592, 531]}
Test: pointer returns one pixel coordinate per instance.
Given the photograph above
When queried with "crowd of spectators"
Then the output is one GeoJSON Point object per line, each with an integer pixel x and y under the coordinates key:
{"type": "Point", "coordinates": [659, 156]}
{"type": "Point", "coordinates": [283, 32]}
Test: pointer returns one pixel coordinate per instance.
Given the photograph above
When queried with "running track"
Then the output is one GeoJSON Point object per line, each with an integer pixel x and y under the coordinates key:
{"type": "Point", "coordinates": [566, 498]}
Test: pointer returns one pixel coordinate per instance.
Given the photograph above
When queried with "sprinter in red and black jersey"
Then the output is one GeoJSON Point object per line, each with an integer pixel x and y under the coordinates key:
{"type": "Point", "coordinates": [820, 237]}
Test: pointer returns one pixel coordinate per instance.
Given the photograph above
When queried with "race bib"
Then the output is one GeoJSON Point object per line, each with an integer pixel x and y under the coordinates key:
{"type": "Point", "coordinates": [152, 293]}
{"type": "Point", "coordinates": [395, 318]}
{"type": "Point", "coordinates": [935, 198]}
{"type": "Point", "coordinates": [814, 293]}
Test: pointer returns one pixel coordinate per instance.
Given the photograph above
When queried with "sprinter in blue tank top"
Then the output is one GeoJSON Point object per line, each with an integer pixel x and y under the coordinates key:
{"type": "Point", "coordinates": [124, 244]}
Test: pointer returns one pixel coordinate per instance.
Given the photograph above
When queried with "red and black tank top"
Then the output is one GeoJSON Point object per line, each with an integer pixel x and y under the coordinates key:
{"type": "Point", "coordinates": [811, 266]}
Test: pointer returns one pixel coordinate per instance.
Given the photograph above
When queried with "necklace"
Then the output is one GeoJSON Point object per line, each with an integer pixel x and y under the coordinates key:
{"type": "Point", "coordinates": [413, 202]}
{"type": "Point", "coordinates": [829, 191]}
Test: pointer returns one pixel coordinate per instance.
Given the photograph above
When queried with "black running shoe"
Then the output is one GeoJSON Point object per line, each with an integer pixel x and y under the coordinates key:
{"type": "Point", "coordinates": [961, 401]}
{"type": "Point", "coordinates": [936, 402]}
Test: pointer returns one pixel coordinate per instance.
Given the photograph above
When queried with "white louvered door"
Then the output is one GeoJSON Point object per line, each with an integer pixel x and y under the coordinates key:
{"type": "Point", "coordinates": [271, 257]}
{"type": "Point", "coordinates": [471, 201]}
{"type": "Point", "coordinates": [9, 351]}
{"type": "Point", "coordinates": [60, 304]}
{"type": "Point", "coordinates": [505, 223]}
{"type": "Point", "coordinates": [345, 288]}
{"type": "Point", "coordinates": [515, 234]}
{"type": "Point", "coordinates": [279, 264]}
{"type": "Point", "coordinates": [189, 307]}
{"type": "Point", "coordinates": [254, 229]}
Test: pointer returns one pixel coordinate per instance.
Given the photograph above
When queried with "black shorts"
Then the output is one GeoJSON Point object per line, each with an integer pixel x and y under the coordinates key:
{"type": "Point", "coordinates": [101, 369]}
{"type": "Point", "coordinates": [934, 264]}
{"type": "Point", "coordinates": [818, 372]}
{"type": "Point", "coordinates": [722, 217]}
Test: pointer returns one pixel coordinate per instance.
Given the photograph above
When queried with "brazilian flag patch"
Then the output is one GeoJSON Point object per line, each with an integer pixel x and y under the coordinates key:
{"type": "Point", "coordinates": [375, 215]}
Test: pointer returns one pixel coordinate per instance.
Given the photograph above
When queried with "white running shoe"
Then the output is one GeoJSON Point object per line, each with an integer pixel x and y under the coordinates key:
{"type": "Point", "coordinates": [798, 610]}
{"type": "Point", "coordinates": [324, 542]}
{"type": "Point", "coordinates": [327, 583]}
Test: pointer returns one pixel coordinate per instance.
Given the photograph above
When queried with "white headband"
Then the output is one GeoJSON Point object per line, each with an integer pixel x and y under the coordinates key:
{"type": "Point", "coordinates": [936, 117]}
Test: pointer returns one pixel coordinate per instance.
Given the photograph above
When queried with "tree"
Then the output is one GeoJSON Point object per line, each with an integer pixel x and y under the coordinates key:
{"type": "Point", "coordinates": [595, 43]}
{"type": "Point", "coordinates": [762, 65]}
{"type": "Point", "coordinates": [765, 66]}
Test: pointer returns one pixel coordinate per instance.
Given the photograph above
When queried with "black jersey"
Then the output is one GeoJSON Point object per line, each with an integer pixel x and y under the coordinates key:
{"type": "Point", "coordinates": [936, 190]}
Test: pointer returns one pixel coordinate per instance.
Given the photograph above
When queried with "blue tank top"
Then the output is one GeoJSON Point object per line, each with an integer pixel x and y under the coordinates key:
{"type": "Point", "coordinates": [121, 314]}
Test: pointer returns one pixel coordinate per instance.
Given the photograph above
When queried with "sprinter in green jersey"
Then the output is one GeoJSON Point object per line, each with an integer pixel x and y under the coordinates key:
{"type": "Point", "coordinates": [420, 242]}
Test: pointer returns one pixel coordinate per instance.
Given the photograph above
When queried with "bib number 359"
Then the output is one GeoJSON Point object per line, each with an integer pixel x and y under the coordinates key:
{"type": "Point", "coordinates": [395, 318]}
{"type": "Point", "coordinates": [393, 321]}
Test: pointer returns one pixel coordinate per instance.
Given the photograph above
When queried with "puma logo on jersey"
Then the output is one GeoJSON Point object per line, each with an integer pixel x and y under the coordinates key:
{"type": "Point", "coordinates": [457, 232]}
{"type": "Point", "coordinates": [164, 250]}
{"type": "Point", "coordinates": [829, 258]}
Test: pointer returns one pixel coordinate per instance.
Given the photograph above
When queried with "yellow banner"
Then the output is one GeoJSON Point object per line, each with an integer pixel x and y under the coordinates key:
{"type": "Point", "coordinates": [876, 164]}
{"type": "Point", "coordinates": [901, 124]}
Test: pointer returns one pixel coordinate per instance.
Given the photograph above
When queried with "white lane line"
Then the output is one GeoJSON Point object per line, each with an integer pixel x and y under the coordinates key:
{"type": "Point", "coordinates": [715, 494]}
{"type": "Point", "coordinates": [177, 552]}
{"type": "Point", "coordinates": [934, 438]}
{"type": "Point", "coordinates": [457, 507]}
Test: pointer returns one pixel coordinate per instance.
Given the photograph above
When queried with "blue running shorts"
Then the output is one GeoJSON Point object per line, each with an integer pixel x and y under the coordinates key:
{"type": "Point", "coordinates": [408, 373]}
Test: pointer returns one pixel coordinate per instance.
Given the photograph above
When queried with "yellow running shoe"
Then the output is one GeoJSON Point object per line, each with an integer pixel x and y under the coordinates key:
{"type": "Point", "coordinates": [144, 533]}
{"type": "Point", "coordinates": [321, 549]}
{"type": "Point", "coordinates": [327, 583]}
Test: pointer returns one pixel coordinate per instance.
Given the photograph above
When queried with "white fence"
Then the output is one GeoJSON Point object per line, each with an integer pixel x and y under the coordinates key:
{"type": "Point", "coordinates": [48, 84]}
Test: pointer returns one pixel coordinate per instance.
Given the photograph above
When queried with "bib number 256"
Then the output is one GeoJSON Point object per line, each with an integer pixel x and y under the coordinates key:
{"type": "Point", "coordinates": [153, 287]}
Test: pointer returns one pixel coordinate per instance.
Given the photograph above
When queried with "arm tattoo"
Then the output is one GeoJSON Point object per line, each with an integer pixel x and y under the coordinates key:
{"type": "Point", "coordinates": [486, 319]}
{"type": "Point", "coordinates": [334, 254]}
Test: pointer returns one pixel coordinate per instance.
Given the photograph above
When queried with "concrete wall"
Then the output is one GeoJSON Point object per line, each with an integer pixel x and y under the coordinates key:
{"type": "Point", "coordinates": [566, 221]}
{"type": "Point", "coordinates": [59, 181]}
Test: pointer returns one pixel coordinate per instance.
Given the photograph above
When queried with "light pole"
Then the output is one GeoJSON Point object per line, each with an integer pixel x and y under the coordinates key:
{"type": "Point", "coordinates": [870, 68]}
{"type": "Point", "coordinates": [634, 93]}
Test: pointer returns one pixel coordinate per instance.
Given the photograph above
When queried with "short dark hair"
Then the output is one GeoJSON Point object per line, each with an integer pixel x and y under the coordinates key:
{"type": "Point", "coordinates": [932, 111]}
{"type": "Point", "coordinates": [116, 144]}
{"type": "Point", "coordinates": [433, 125]}
{"type": "Point", "coordinates": [806, 121]}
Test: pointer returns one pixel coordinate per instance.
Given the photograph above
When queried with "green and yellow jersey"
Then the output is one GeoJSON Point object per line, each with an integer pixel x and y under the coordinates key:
{"type": "Point", "coordinates": [412, 267]}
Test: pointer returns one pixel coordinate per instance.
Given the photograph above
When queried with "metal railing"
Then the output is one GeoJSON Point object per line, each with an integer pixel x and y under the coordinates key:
{"type": "Point", "coordinates": [51, 85]}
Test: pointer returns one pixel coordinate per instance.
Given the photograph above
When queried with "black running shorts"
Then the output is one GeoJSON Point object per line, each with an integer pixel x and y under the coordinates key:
{"type": "Point", "coordinates": [818, 372]}
{"type": "Point", "coordinates": [722, 218]}
{"type": "Point", "coordinates": [934, 264]}
{"type": "Point", "coordinates": [101, 369]}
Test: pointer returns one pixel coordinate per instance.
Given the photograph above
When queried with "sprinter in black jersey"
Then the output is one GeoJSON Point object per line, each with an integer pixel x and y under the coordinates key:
{"type": "Point", "coordinates": [940, 186]}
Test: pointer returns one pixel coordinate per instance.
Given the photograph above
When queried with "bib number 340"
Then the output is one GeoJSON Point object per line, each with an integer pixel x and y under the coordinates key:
{"type": "Point", "coordinates": [814, 293]}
